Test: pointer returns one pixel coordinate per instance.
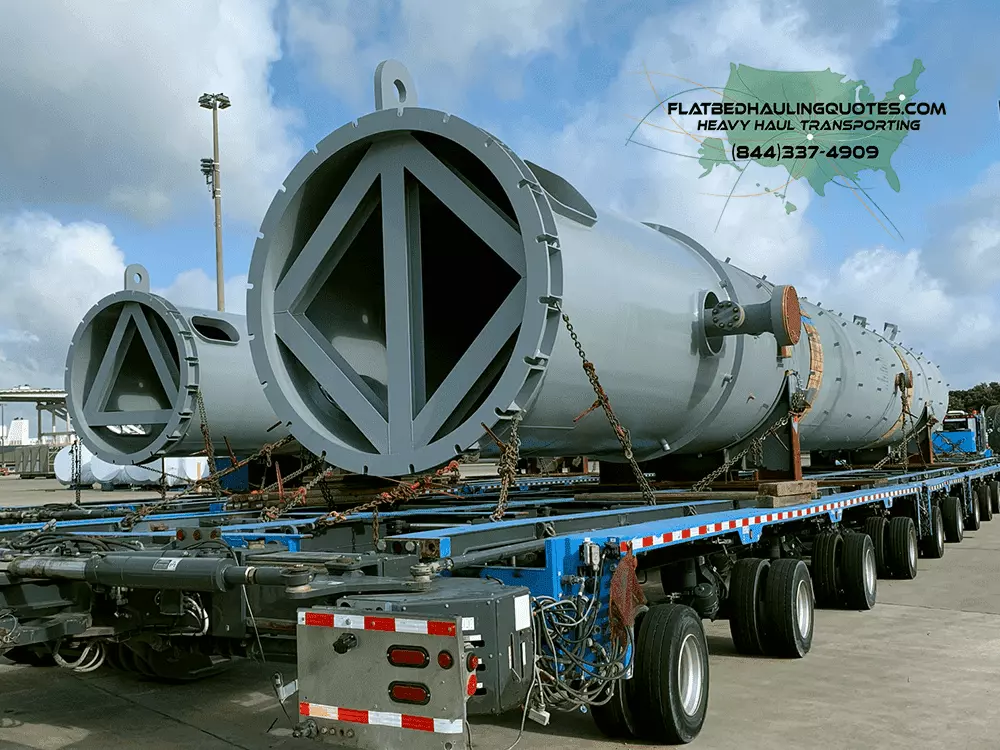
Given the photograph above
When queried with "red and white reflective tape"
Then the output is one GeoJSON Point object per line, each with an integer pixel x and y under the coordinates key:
{"type": "Point", "coordinates": [382, 718]}
{"type": "Point", "coordinates": [656, 540]}
{"type": "Point", "coordinates": [381, 624]}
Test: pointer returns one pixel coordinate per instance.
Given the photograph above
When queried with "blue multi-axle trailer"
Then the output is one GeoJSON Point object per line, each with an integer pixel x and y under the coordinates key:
{"type": "Point", "coordinates": [419, 296]}
{"type": "Point", "coordinates": [453, 615]}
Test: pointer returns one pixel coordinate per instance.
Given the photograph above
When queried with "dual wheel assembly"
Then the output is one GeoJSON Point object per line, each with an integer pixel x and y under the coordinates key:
{"type": "Point", "coordinates": [986, 502]}
{"type": "Point", "coordinates": [896, 545]}
{"type": "Point", "coordinates": [666, 699]}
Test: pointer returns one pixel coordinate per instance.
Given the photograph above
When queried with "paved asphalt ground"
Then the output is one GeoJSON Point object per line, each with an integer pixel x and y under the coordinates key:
{"type": "Point", "coordinates": [921, 671]}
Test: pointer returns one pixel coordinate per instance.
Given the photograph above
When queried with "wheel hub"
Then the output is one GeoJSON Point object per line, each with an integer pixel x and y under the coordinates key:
{"type": "Point", "coordinates": [803, 609]}
{"type": "Point", "coordinates": [870, 571]}
{"type": "Point", "coordinates": [690, 675]}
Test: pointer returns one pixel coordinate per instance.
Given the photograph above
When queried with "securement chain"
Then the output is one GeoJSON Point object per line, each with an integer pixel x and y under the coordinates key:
{"type": "Point", "coordinates": [402, 492]}
{"type": "Point", "coordinates": [209, 448]}
{"type": "Point", "coordinates": [324, 488]}
{"type": "Point", "coordinates": [76, 452]}
{"type": "Point", "coordinates": [130, 520]}
{"type": "Point", "coordinates": [298, 495]}
{"type": "Point", "coordinates": [507, 466]}
{"type": "Point", "coordinates": [901, 451]}
{"type": "Point", "coordinates": [955, 447]}
{"type": "Point", "coordinates": [755, 444]}
{"type": "Point", "coordinates": [602, 400]}
{"type": "Point", "coordinates": [163, 480]}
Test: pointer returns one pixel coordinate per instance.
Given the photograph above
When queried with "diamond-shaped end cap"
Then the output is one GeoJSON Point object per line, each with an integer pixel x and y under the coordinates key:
{"type": "Point", "coordinates": [401, 291]}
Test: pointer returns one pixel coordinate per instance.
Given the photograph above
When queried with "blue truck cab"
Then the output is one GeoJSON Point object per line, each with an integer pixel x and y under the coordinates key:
{"type": "Point", "coordinates": [962, 434]}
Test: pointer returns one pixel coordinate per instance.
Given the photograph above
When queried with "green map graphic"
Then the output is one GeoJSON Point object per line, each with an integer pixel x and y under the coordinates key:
{"type": "Point", "coordinates": [753, 85]}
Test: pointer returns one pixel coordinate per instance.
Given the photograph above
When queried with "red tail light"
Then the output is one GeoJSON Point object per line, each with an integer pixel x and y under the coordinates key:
{"type": "Point", "coordinates": [472, 662]}
{"type": "Point", "coordinates": [409, 692]}
{"type": "Point", "coordinates": [408, 656]}
{"type": "Point", "coordinates": [445, 660]}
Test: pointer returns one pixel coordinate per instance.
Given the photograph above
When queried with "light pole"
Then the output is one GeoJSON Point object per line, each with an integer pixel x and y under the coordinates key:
{"type": "Point", "coordinates": [210, 168]}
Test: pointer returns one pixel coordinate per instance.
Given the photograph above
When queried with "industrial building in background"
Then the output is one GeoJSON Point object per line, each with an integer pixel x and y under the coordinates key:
{"type": "Point", "coordinates": [422, 296]}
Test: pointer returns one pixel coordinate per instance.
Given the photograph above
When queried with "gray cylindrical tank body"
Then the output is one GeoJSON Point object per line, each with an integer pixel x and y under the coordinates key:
{"type": "Point", "coordinates": [858, 403]}
{"type": "Point", "coordinates": [137, 360]}
{"type": "Point", "coordinates": [408, 287]}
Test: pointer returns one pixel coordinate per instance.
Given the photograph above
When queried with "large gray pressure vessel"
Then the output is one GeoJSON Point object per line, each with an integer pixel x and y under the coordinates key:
{"type": "Point", "coordinates": [134, 369]}
{"type": "Point", "coordinates": [408, 286]}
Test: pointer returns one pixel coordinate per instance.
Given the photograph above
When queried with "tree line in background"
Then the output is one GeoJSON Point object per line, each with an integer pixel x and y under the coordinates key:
{"type": "Point", "coordinates": [977, 397]}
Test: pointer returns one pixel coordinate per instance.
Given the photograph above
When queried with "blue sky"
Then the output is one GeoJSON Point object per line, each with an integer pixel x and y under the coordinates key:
{"type": "Point", "coordinates": [943, 159]}
{"type": "Point", "coordinates": [99, 151]}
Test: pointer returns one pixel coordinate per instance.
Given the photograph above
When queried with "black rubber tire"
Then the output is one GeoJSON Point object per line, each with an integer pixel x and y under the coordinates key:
{"type": "Point", "coordinates": [860, 572]}
{"type": "Point", "coordinates": [789, 632]}
{"type": "Point", "coordinates": [903, 548]}
{"type": "Point", "coordinates": [994, 487]}
{"type": "Point", "coordinates": [973, 519]}
{"type": "Point", "coordinates": [985, 507]}
{"type": "Point", "coordinates": [112, 658]}
{"type": "Point", "coordinates": [746, 605]}
{"type": "Point", "coordinates": [877, 527]}
{"type": "Point", "coordinates": [933, 546]}
{"type": "Point", "coordinates": [954, 525]}
{"type": "Point", "coordinates": [614, 719]}
{"type": "Point", "coordinates": [666, 632]}
{"type": "Point", "coordinates": [827, 556]}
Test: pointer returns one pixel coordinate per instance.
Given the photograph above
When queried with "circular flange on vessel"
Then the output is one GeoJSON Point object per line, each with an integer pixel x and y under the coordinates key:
{"type": "Point", "coordinates": [131, 377]}
{"type": "Point", "coordinates": [373, 333]}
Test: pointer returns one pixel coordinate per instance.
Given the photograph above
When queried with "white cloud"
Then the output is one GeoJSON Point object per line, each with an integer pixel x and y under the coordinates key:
{"type": "Point", "coordinates": [698, 41]}
{"type": "Point", "coordinates": [965, 236]}
{"type": "Point", "coordinates": [448, 45]}
{"type": "Point", "coordinates": [194, 288]}
{"type": "Point", "coordinates": [957, 331]}
{"type": "Point", "coordinates": [53, 273]}
{"type": "Point", "coordinates": [100, 105]}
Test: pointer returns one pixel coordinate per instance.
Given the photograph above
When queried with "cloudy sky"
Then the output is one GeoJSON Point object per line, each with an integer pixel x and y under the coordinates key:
{"type": "Point", "coordinates": [101, 137]}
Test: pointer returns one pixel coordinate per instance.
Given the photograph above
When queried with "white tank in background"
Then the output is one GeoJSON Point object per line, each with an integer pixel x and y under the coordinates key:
{"type": "Point", "coordinates": [195, 468]}
{"type": "Point", "coordinates": [64, 465]}
{"type": "Point", "coordinates": [179, 472]}
{"type": "Point", "coordinates": [107, 473]}
{"type": "Point", "coordinates": [144, 475]}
